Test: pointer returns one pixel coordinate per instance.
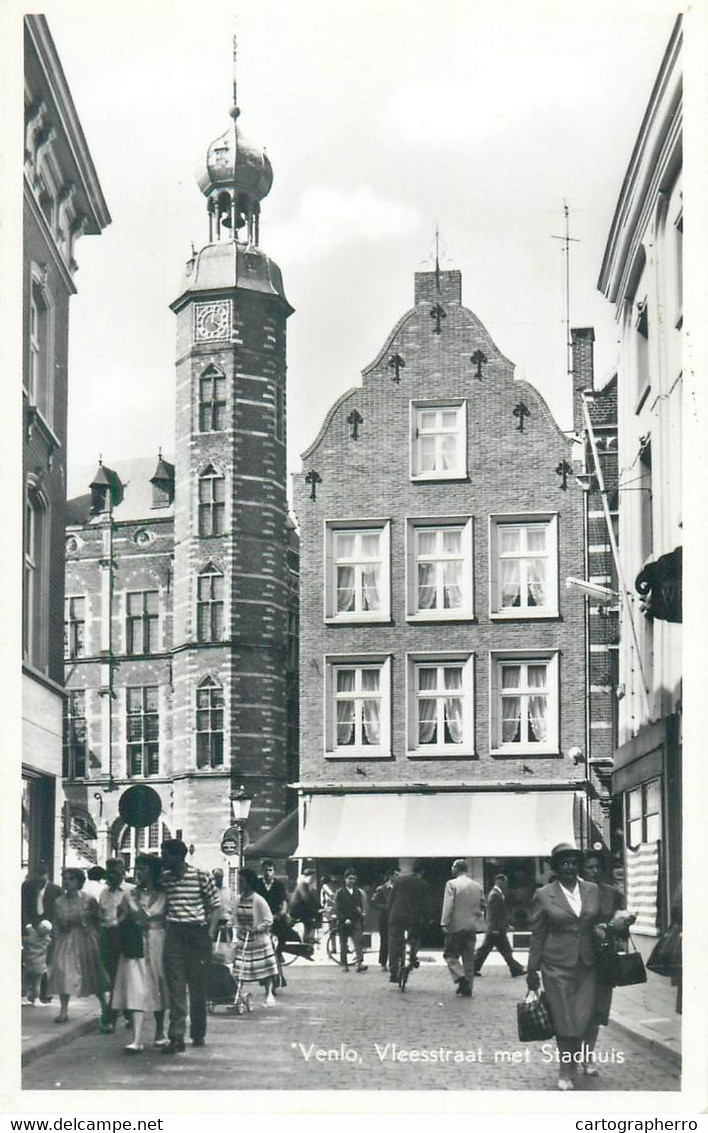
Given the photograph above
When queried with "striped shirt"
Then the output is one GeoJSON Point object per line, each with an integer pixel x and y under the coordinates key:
{"type": "Point", "coordinates": [190, 898]}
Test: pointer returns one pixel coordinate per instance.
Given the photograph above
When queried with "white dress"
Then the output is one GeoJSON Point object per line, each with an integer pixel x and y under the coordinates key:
{"type": "Point", "coordinates": [140, 983]}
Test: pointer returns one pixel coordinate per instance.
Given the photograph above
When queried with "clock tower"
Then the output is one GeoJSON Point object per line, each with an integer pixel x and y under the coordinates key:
{"type": "Point", "coordinates": [232, 532]}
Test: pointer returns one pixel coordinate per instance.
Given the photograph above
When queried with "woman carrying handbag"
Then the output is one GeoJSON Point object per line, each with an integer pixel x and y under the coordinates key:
{"type": "Point", "coordinates": [617, 921]}
{"type": "Point", "coordinates": [564, 919]}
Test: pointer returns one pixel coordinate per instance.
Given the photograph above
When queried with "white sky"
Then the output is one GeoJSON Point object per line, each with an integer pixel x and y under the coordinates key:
{"type": "Point", "coordinates": [382, 119]}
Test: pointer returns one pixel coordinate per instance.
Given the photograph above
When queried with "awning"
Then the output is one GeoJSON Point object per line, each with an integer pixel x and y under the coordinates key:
{"type": "Point", "coordinates": [437, 825]}
{"type": "Point", "coordinates": [280, 842]}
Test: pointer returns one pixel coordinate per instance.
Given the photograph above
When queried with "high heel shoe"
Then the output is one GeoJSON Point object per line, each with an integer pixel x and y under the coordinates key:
{"type": "Point", "coordinates": [62, 1018]}
{"type": "Point", "coordinates": [134, 1048]}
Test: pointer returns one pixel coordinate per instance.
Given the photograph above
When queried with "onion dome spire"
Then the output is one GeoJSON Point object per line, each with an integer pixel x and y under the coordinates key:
{"type": "Point", "coordinates": [237, 177]}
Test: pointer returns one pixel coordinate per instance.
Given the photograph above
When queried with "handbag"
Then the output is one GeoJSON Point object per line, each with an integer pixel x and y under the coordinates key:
{"type": "Point", "coordinates": [533, 1018]}
{"type": "Point", "coordinates": [224, 947]}
{"type": "Point", "coordinates": [619, 969]}
{"type": "Point", "coordinates": [665, 956]}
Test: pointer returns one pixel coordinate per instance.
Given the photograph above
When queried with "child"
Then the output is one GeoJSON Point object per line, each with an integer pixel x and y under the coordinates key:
{"type": "Point", "coordinates": [35, 950]}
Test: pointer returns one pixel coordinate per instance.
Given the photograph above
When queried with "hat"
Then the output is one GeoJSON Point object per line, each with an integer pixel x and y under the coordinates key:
{"type": "Point", "coordinates": [565, 848]}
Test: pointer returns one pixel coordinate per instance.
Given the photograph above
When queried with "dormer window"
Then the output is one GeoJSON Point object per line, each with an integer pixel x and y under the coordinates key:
{"type": "Point", "coordinates": [163, 483]}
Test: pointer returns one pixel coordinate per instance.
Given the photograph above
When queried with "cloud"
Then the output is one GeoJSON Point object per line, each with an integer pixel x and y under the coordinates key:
{"type": "Point", "coordinates": [328, 218]}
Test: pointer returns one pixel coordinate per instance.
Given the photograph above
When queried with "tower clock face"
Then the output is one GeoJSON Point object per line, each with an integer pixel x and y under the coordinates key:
{"type": "Point", "coordinates": [212, 321]}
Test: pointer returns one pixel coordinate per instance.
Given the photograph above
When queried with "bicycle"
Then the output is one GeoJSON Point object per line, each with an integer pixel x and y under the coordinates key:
{"type": "Point", "coordinates": [333, 947]}
{"type": "Point", "coordinates": [410, 959]}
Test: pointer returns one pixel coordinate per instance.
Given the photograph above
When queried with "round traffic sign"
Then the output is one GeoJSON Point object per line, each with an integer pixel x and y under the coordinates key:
{"type": "Point", "coordinates": [140, 805]}
{"type": "Point", "coordinates": [229, 847]}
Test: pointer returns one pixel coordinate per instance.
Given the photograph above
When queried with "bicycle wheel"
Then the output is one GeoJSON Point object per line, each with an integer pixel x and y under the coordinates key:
{"type": "Point", "coordinates": [333, 951]}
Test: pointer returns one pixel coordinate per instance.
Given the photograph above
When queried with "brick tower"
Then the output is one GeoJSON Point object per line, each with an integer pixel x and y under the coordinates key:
{"type": "Point", "coordinates": [231, 519]}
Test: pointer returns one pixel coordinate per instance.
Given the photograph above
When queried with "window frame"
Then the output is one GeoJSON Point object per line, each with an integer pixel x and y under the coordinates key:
{"type": "Point", "coordinates": [418, 406]}
{"type": "Point", "coordinates": [463, 523]}
{"type": "Point", "coordinates": [35, 570]}
{"type": "Point", "coordinates": [441, 659]}
{"type": "Point", "coordinates": [72, 646]}
{"type": "Point", "coordinates": [333, 528]}
{"type": "Point", "coordinates": [211, 686]}
{"type": "Point", "coordinates": [39, 383]}
{"type": "Point", "coordinates": [71, 742]}
{"type": "Point", "coordinates": [497, 659]}
{"type": "Point", "coordinates": [641, 790]}
{"type": "Point", "coordinates": [149, 624]}
{"type": "Point", "coordinates": [332, 664]}
{"type": "Point", "coordinates": [214, 406]}
{"type": "Point", "coordinates": [213, 507]}
{"type": "Point", "coordinates": [150, 749]}
{"type": "Point", "coordinates": [524, 613]}
{"type": "Point", "coordinates": [210, 570]}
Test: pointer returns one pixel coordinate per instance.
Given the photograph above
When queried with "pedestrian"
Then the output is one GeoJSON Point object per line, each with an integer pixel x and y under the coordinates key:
{"type": "Point", "coordinates": [228, 905]}
{"type": "Point", "coordinates": [95, 876]}
{"type": "Point", "coordinates": [109, 901]}
{"type": "Point", "coordinates": [38, 898]}
{"type": "Point", "coordinates": [328, 892]}
{"type": "Point", "coordinates": [349, 910]}
{"type": "Point", "coordinates": [140, 984]}
{"type": "Point", "coordinates": [272, 890]}
{"type": "Point", "coordinates": [498, 925]}
{"type": "Point", "coordinates": [565, 919]}
{"type": "Point", "coordinates": [305, 905]}
{"type": "Point", "coordinates": [617, 921]}
{"type": "Point", "coordinates": [75, 967]}
{"type": "Point", "coordinates": [408, 912]}
{"type": "Point", "coordinates": [380, 901]}
{"type": "Point", "coordinates": [192, 918]}
{"type": "Point", "coordinates": [255, 958]}
{"type": "Point", "coordinates": [36, 941]}
{"type": "Point", "coordinates": [459, 920]}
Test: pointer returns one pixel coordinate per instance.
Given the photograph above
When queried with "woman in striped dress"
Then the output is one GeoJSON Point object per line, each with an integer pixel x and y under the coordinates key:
{"type": "Point", "coordinates": [255, 955]}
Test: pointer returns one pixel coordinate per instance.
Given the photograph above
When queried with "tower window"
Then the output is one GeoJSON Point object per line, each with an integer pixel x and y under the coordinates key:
{"type": "Point", "coordinates": [210, 605]}
{"type": "Point", "coordinates": [212, 401]}
{"type": "Point", "coordinates": [210, 724]}
{"type": "Point", "coordinates": [212, 507]}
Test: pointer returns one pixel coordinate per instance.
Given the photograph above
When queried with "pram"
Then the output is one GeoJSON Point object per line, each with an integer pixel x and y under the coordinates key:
{"type": "Point", "coordinates": [221, 985]}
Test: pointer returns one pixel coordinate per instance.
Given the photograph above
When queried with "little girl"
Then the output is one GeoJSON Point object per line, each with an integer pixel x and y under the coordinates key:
{"type": "Point", "coordinates": [35, 950]}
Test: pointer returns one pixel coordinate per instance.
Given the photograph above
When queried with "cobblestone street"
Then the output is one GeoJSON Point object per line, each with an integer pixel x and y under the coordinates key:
{"type": "Point", "coordinates": [337, 1031]}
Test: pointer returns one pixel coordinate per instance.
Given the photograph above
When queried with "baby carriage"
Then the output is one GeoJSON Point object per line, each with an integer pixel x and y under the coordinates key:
{"type": "Point", "coordinates": [221, 985]}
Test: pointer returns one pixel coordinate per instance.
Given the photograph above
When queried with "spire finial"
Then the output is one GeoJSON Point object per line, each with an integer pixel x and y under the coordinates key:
{"type": "Point", "coordinates": [234, 109]}
{"type": "Point", "coordinates": [437, 257]}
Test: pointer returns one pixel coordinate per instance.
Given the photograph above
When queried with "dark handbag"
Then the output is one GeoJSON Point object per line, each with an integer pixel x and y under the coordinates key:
{"type": "Point", "coordinates": [533, 1018]}
{"type": "Point", "coordinates": [619, 969]}
{"type": "Point", "coordinates": [665, 956]}
{"type": "Point", "coordinates": [130, 939]}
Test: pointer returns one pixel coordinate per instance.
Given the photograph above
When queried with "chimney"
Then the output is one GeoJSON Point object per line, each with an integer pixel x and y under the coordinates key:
{"type": "Point", "coordinates": [582, 340]}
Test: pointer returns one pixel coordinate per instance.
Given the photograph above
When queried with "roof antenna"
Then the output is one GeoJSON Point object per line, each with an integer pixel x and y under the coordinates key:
{"type": "Point", "coordinates": [567, 241]}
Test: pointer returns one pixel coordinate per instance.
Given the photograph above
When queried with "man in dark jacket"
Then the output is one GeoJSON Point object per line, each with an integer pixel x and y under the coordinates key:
{"type": "Point", "coordinates": [497, 926]}
{"type": "Point", "coordinates": [408, 911]}
{"type": "Point", "coordinates": [38, 897]}
{"type": "Point", "coordinates": [349, 910]}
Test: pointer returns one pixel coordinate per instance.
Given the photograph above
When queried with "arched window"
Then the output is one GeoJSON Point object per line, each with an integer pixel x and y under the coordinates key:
{"type": "Point", "coordinates": [145, 840]}
{"type": "Point", "coordinates": [210, 724]}
{"type": "Point", "coordinates": [210, 604]}
{"type": "Point", "coordinates": [34, 627]}
{"type": "Point", "coordinates": [212, 401]}
{"type": "Point", "coordinates": [212, 507]}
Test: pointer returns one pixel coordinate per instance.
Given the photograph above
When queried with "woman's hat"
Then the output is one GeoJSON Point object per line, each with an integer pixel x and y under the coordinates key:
{"type": "Point", "coordinates": [564, 849]}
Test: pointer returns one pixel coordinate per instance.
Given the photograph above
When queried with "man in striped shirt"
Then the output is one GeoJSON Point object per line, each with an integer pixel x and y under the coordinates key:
{"type": "Point", "coordinates": [193, 912]}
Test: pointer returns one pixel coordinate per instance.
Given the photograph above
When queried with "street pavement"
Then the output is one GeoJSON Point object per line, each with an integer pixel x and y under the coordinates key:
{"type": "Point", "coordinates": [332, 1030]}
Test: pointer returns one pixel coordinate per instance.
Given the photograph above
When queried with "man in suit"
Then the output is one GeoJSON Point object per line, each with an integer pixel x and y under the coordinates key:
{"type": "Point", "coordinates": [461, 913]}
{"type": "Point", "coordinates": [497, 926]}
{"type": "Point", "coordinates": [38, 897]}
{"type": "Point", "coordinates": [349, 908]}
{"type": "Point", "coordinates": [408, 912]}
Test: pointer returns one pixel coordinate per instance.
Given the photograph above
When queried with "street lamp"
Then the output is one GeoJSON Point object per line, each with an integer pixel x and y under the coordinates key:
{"type": "Point", "coordinates": [240, 810]}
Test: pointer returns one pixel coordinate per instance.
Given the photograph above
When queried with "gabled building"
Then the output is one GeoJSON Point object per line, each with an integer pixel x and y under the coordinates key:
{"type": "Point", "coordinates": [443, 675]}
{"type": "Point", "coordinates": [62, 201]}
{"type": "Point", "coordinates": [182, 606]}
{"type": "Point", "coordinates": [642, 276]}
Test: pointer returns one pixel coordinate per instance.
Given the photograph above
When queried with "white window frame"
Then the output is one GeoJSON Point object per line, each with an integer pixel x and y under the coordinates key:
{"type": "Point", "coordinates": [462, 523]}
{"type": "Point", "coordinates": [523, 519]}
{"type": "Point", "coordinates": [549, 657]}
{"type": "Point", "coordinates": [357, 527]}
{"type": "Point", "coordinates": [333, 662]}
{"type": "Point", "coordinates": [459, 405]}
{"type": "Point", "coordinates": [464, 661]}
